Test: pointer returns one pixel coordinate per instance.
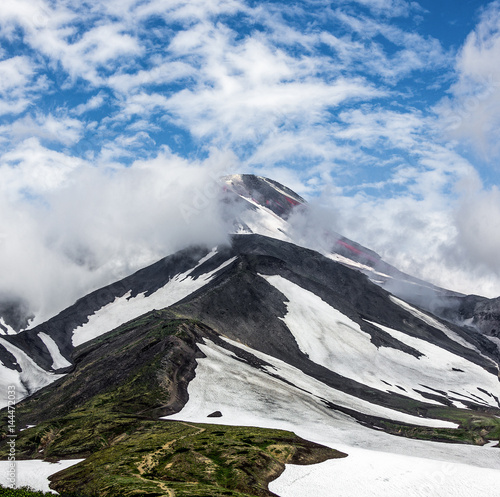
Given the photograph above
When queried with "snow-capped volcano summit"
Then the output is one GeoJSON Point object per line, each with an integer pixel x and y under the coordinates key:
{"type": "Point", "coordinates": [264, 332]}
{"type": "Point", "coordinates": [276, 211]}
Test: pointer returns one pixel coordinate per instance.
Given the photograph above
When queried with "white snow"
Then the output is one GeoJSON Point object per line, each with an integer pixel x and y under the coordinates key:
{"type": "Point", "coordinates": [365, 473]}
{"type": "Point", "coordinates": [264, 221]}
{"type": "Point", "coordinates": [356, 265]}
{"type": "Point", "coordinates": [304, 392]}
{"type": "Point", "coordinates": [378, 464]}
{"type": "Point", "coordinates": [495, 340]}
{"type": "Point", "coordinates": [34, 473]}
{"type": "Point", "coordinates": [438, 325]}
{"type": "Point", "coordinates": [436, 371]}
{"type": "Point", "coordinates": [59, 361]}
{"type": "Point", "coordinates": [31, 378]}
{"type": "Point", "coordinates": [125, 308]}
{"type": "Point", "coordinates": [279, 190]}
{"type": "Point", "coordinates": [333, 340]}
{"type": "Point", "coordinates": [10, 331]}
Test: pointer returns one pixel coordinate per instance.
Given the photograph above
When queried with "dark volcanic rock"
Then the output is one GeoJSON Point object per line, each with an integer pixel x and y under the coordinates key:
{"type": "Point", "coordinates": [152, 356]}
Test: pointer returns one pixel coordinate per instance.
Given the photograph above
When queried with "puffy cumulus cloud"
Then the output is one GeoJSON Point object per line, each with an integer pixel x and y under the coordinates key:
{"type": "Point", "coordinates": [415, 223]}
{"type": "Point", "coordinates": [50, 128]}
{"type": "Point", "coordinates": [473, 111]}
{"type": "Point", "coordinates": [249, 89]}
{"type": "Point", "coordinates": [31, 16]}
{"type": "Point", "coordinates": [478, 229]}
{"type": "Point", "coordinates": [18, 84]}
{"type": "Point", "coordinates": [83, 227]}
{"type": "Point", "coordinates": [247, 80]}
{"type": "Point", "coordinates": [32, 170]}
{"type": "Point", "coordinates": [100, 49]}
{"type": "Point", "coordinates": [217, 112]}
{"type": "Point", "coordinates": [415, 235]}
{"type": "Point", "coordinates": [116, 113]}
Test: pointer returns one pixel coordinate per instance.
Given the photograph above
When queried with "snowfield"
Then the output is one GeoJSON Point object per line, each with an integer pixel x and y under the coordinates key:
{"type": "Point", "coordinates": [378, 464]}
{"type": "Point", "coordinates": [5, 329]}
{"type": "Point", "coordinates": [59, 360]}
{"type": "Point", "coordinates": [365, 473]}
{"type": "Point", "coordinates": [31, 378]}
{"type": "Point", "coordinates": [265, 222]}
{"type": "Point", "coordinates": [35, 474]}
{"type": "Point", "coordinates": [333, 340]}
{"type": "Point", "coordinates": [279, 386]}
{"type": "Point", "coordinates": [125, 308]}
{"type": "Point", "coordinates": [438, 325]}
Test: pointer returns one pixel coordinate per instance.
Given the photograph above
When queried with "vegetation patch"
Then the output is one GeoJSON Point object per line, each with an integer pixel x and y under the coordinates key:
{"type": "Point", "coordinates": [110, 418]}
{"type": "Point", "coordinates": [476, 428]}
{"type": "Point", "coordinates": [145, 457]}
{"type": "Point", "coordinates": [29, 492]}
{"type": "Point", "coordinates": [190, 459]}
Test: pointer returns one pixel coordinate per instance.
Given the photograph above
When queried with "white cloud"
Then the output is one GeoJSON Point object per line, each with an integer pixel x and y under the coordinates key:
{"type": "Point", "coordinates": [182, 10]}
{"type": "Point", "coordinates": [55, 129]}
{"type": "Point", "coordinates": [124, 146]}
{"type": "Point", "coordinates": [88, 226]}
{"type": "Point", "coordinates": [14, 73]}
{"type": "Point", "coordinates": [474, 109]}
{"type": "Point", "coordinates": [256, 81]}
{"type": "Point", "coordinates": [218, 111]}
{"type": "Point", "coordinates": [51, 30]}
{"type": "Point", "coordinates": [373, 127]}
{"type": "Point", "coordinates": [100, 49]}
{"type": "Point", "coordinates": [16, 84]}
{"type": "Point", "coordinates": [32, 169]}
{"type": "Point", "coordinates": [142, 105]}
{"type": "Point", "coordinates": [32, 15]}
{"type": "Point", "coordinates": [478, 230]}
{"type": "Point", "coordinates": [307, 93]}
{"type": "Point", "coordinates": [161, 73]}
{"type": "Point", "coordinates": [93, 103]}
{"type": "Point", "coordinates": [414, 51]}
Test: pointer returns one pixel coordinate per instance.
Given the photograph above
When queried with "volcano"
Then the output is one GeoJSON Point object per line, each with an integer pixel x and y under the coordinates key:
{"type": "Point", "coordinates": [270, 365]}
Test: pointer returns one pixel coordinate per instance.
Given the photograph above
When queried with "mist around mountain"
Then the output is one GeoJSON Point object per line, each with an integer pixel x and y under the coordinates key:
{"type": "Point", "coordinates": [213, 370]}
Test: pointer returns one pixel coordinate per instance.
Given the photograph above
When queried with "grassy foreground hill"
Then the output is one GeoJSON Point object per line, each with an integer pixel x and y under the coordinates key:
{"type": "Point", "coordinates": [107, 411]}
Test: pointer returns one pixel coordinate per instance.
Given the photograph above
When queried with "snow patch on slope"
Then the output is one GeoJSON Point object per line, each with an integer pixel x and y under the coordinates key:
{"type": "Point", "coordinates": [59, 361]}
{"type": "Point", "coordinates": [125, 308]}
{"type": "Point", "coordinates": [289, 193]}
{"type": "Point", "coordinates": [443, 370]}
{"type": "Point", "coordinates": [365, 473]}
{"type": "Point", "coordinates": [355, 265]}
{"type": "Point", "coordinates": [438, 325]}
{"type": "Point", "coordinates": [376, 460]}
{"type": "Point", "coordinates": [264, 221]}
{"type": "Point", "coordinates": [336, 342]}
{"type": "Point", "coordinates": [5, 329]}
{"type": "Point", "coordinates": [31, 378]}
{"type": "Point", "coordinates": [35, 473]}
{"type": "Point", "coordinates": [225, 383]}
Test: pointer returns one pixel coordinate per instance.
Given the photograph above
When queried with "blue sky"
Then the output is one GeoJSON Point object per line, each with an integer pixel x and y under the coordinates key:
{"type": "Point", "coordinates": [387, 112]}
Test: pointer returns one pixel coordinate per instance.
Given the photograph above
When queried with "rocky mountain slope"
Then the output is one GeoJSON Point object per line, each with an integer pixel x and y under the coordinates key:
{"type": "Point", "coordinates": [260, 333]}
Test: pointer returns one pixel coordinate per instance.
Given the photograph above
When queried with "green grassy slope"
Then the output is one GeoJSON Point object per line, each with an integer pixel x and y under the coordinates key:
{"type": "Point", "coordinates": [107, 411]}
